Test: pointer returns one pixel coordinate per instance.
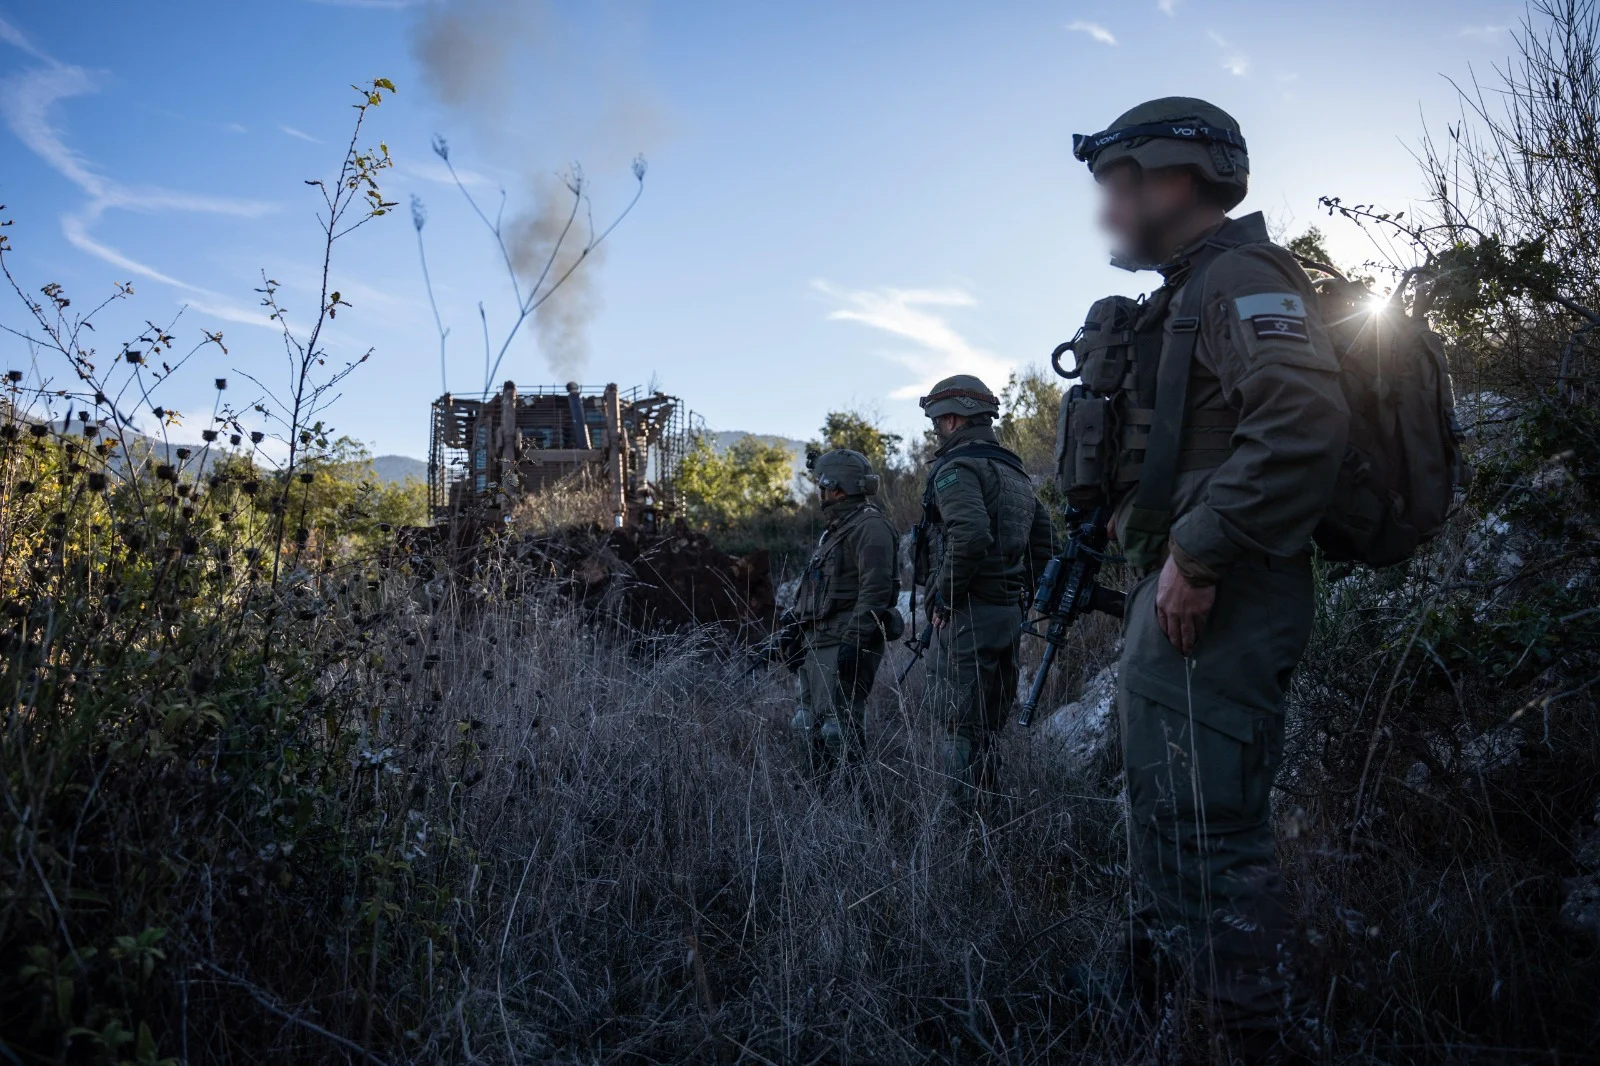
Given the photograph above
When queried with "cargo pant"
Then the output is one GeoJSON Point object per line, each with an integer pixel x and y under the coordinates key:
{"type": "Point", "coordinates": [972, 682]}
{"type": "Point", "coordinates": [830, 722]}
{"type": "Point", "coordinates": [1202, 742]}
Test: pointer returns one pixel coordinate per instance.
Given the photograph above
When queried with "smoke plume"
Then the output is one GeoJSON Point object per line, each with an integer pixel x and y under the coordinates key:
{"type": "Point", "coordinates": [562, 322]}
{"type": "Point", "coordinates": [465, 47]}
{"type": "Point", "coordinates": [512, 70]}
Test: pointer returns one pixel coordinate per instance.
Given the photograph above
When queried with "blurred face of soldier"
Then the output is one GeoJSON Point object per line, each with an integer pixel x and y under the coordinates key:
{"type": "Point", "coordinates": [945, 426]}
{"type": "Point", "coordinates": [827, 496]}
{"type": "Point", "coordinates": [1148, 213]}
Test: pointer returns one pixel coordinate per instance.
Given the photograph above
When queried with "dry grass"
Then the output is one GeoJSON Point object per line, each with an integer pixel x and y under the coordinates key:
{"type": "Point", "coordinates": [573, 503]}
{"type": "Point", "coordinates": [662, 882]}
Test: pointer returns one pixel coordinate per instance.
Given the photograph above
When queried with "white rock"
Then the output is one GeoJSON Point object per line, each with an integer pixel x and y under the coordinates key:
{"type": "Point", "coordinates": [784, 595]}
{"type": "Point", "coordinates": [1084, 729]}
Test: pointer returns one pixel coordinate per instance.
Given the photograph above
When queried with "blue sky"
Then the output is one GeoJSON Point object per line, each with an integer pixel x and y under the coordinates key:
{"type": "Point", "coordinates": [845, 201]}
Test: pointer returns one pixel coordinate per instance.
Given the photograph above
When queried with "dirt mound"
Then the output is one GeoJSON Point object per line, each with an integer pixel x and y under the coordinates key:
{"type": "Point", "coordinates": [668, 581]}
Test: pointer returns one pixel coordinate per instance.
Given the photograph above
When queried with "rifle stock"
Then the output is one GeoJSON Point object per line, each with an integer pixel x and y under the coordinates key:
{"type": "Point", "coordinates": [918, 645]}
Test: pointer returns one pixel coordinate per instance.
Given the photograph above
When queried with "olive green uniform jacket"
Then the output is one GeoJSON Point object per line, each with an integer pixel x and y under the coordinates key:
{"type": "Point", "coordinates": [992, 537]}
{"type": "Point", "coordinates": [1202, 738]}
{"type": "Point", "coordinates": [846, 595]}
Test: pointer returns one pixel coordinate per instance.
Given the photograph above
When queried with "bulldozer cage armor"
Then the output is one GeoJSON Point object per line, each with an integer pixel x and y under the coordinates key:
{"type": "Point", "coordinates": [486, 451]}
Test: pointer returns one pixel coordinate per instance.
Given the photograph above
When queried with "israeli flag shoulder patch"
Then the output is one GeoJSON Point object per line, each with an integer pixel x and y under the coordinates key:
{"type": "Point", "coordinates": [1274, 315]}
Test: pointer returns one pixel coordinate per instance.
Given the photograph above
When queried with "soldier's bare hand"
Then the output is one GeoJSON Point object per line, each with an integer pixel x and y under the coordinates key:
{"type": "Point", "coordinates": [1182, 608]}
{"type": "Point", "coordinates": [939, 617]}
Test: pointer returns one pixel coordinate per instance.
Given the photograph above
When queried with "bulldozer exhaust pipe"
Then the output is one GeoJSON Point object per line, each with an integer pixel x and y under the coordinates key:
{"type": "Point", "coordinates": [580, 425]}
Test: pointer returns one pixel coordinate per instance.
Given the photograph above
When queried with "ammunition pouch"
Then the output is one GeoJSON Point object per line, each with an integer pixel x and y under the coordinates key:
{"type": "Point", "coordinates": [1085, 447]}
{"type": "Point", "coordinates": [814, 600]}
{"type": "Point", "coordinates": [1105, 352]}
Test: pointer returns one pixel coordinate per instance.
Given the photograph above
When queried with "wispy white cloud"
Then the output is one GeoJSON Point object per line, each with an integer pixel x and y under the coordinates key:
{"type": "Point", "coordinates": [299, 135]}
{"type": "Point", "coordinates": [914, 315]}
{"type": "Point", "coordinates": [9, 34]}
{"type": "Point", "coordinates": [1486, 32]}
{"type": "Point", "coordinates": [1234, 61]}
{"type": "Point", "coordinates": [235, 127]}
{"type": "Point", "coordinates": [438, 173]}
{"type": "Point", "coordinates": [27, 101]}
{"type": "Point", "coordinates": [1093, 30]}
{"type": "Point", "coordinates": [1167, 7]}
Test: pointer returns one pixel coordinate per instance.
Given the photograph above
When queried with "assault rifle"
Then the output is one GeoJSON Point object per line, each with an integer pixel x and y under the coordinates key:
{"type": "Point", "coordinates": [1067, 590]}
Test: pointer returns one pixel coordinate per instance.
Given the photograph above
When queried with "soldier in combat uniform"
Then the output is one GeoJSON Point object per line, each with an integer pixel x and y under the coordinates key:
{"type": "Point", "coordinates": [845, 610]}
{"type": "Point", "coordinates": [990, 537]}
{"type": "Point", "coordinates": [1228, 428]}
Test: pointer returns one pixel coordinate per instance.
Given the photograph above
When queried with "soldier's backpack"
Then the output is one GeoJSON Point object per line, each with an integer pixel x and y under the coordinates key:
{"type": "Point", "coordinates": [1402, 461]}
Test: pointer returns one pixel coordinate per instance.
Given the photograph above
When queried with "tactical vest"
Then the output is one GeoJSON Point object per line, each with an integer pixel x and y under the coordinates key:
{"type": "Point", "coordinates": [828, 586]}
{"type": "Point", "coordinates": [1009, 503]}
{"type": "Point", "coordinates": [1104, 429]}
{"type": "Point", "coordinates": [1125, 423]}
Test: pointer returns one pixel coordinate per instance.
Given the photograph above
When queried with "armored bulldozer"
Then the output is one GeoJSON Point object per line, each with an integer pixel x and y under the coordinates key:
{"type": "Point", "coordinates": [485, 454]}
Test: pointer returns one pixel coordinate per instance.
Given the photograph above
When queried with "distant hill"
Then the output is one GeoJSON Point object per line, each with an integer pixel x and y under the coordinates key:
{"type": "Point", "coordinates": [724, 439]}
{"type": "Point", "coordinates": [394, 469]}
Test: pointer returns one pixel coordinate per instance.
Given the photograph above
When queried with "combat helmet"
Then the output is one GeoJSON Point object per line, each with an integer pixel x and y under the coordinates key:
{"type": "Point", "coordinates": [845, 470]}
{"type": "Point", "coordinates": [961, 394]}
{"type": "Point", "coordinates": [1175, 131]}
